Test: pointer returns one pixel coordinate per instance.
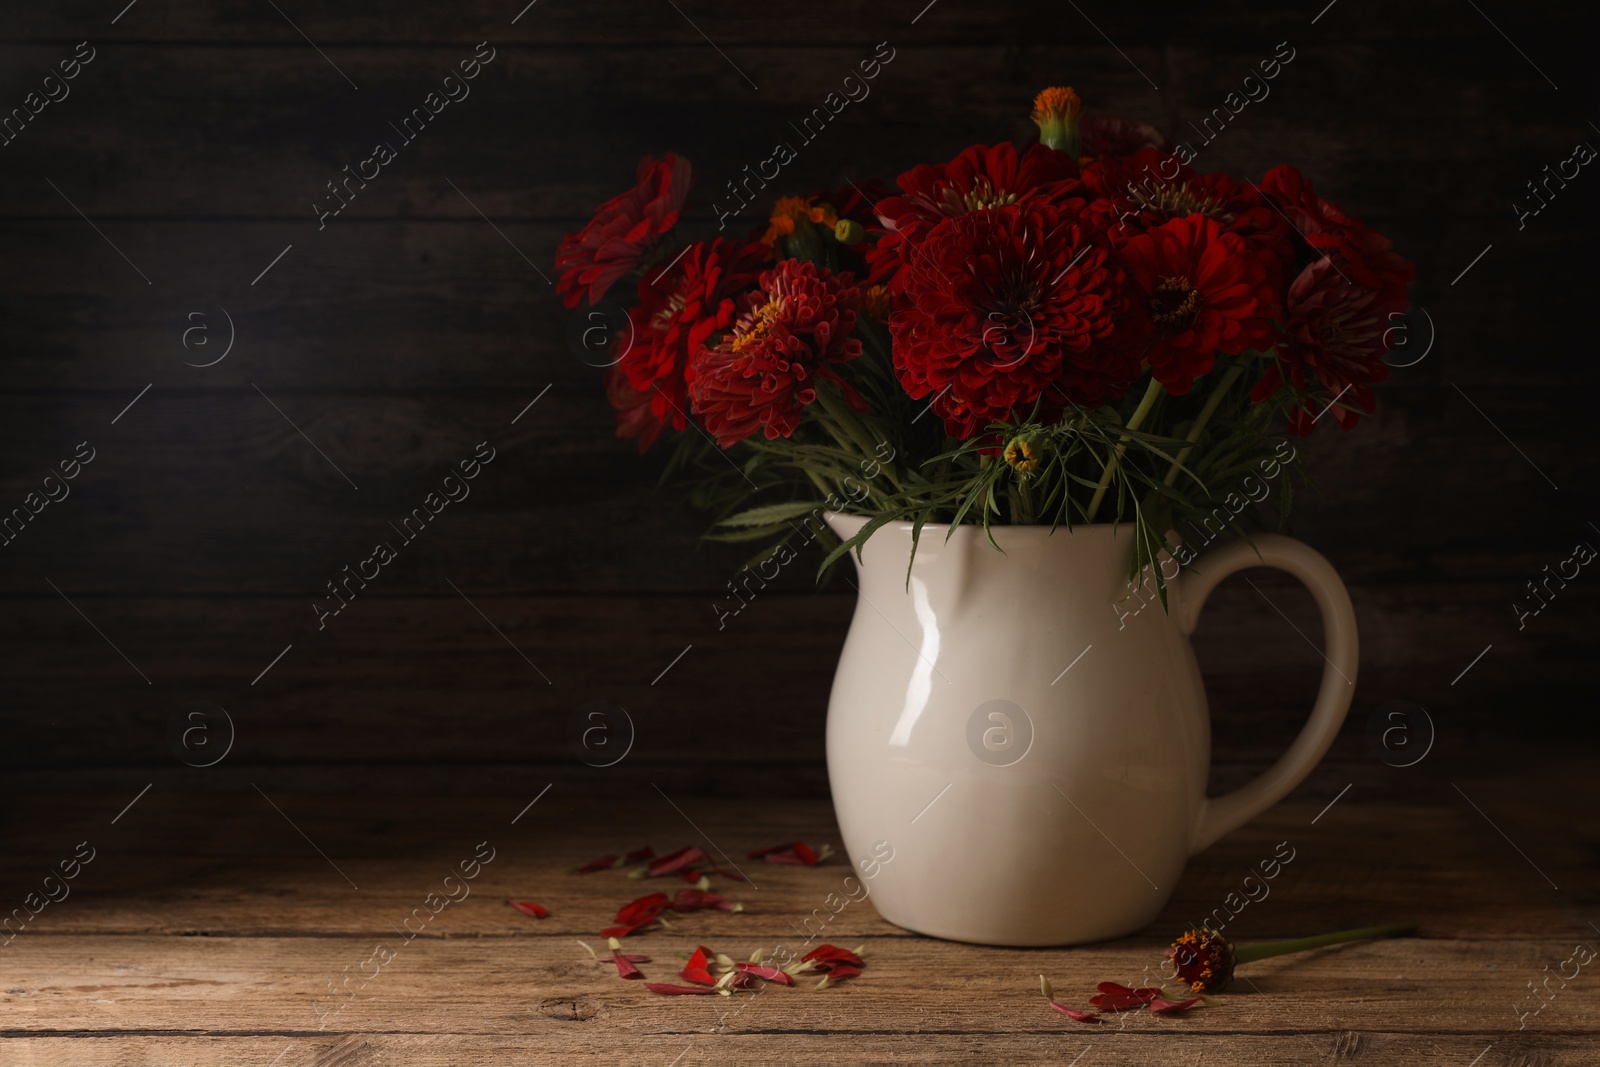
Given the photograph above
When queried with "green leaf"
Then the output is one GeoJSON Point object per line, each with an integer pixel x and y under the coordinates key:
{"type": "Point", "coordinates": [767, 514]}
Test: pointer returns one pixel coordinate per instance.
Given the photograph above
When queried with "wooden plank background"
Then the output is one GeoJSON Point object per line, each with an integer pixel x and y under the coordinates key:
{"type": "Point", "coordinates": [409, 329]}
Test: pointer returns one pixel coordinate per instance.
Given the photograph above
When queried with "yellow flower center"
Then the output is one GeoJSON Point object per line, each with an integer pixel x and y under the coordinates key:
{"type": "Point", "coordinates": [1176, 201]}
{"type": "Point", "coordinates": [983, 195]}
{"type": "Point", "coordinates": [663, 318]}
{"type": "Point", "coordinates": [756, 325]}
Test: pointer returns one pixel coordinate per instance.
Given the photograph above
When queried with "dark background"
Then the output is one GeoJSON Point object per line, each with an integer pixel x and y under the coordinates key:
{"type": "Point", "coordinates": [409, 329]}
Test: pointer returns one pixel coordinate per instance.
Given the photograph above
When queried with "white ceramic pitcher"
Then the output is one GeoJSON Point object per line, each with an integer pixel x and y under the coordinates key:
{"type": "Point", "coordinates": [1031, 746]}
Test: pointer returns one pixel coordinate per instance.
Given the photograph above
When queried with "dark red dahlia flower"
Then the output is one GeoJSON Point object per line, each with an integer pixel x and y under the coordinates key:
{"type": "Point", "coordinates": [679, 311]}
{"type": "Point", "coordinates": [634, 419]}
{"type": "Point", "coordinates": [1013, 305]}
{"type": "Point", "coordinates": [1333, 343]}
{"type": "Point", "coordinates": [1141, 192]}
{"type": "Point", "coordinates": [1113, 135]}
{"type": "Point", "coordinates": [765, 371]}
{"type": "Point", "coordinates": [1206, 292]}
{"type": "Point", "coordinates": [1363, 255]}
{"type": "Point", "coordinates": [983, 176]}
{"type": "Point", "coordinates": [623, 231]}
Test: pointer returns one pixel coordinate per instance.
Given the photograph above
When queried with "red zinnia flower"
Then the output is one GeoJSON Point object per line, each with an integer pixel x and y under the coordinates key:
{"type": "Point", "coordinates": [766, 370]}
{"type": "Point", "coordinates": [1206, 292]}
{"type": "Point", "coordinates": [623, 231]}
{"type": "Point", "coordinates": [1365, 256]}
{"type": "Point", "coordinates": [1333, 341]}
{"type": "Point", "coordinates": [1011, 305]}
{"type": "Point", "coordinates": [677, 314]}
{"type": "Point", "coordinates": [983, 176]}
{"type": "Point", "coordinates": [1150, 188]}
{"type": "Point", "coordinates": [634, 419]}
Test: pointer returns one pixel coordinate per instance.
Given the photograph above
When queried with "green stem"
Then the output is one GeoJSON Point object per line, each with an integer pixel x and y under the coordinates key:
{"type": "Point", "coordinates": [1205, 416]}
{"type": "Point", "coordinates": [821, 485]}
{"type": "Point", "coordinates": [1267, 949]}
{"type": "Point", "coordinates": [845, 418]}
{"type": "Point", "coordinates": [1152, 393]}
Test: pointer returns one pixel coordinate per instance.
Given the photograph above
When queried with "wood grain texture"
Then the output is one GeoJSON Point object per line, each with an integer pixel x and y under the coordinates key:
{"type": "Point", "coordinates": [411, 328]}
{"type": "Point", "coordinates": [235, 947]}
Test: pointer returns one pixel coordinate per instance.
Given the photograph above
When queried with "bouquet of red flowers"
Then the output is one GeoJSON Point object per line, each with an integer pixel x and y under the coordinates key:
{"type": "Point", "coordinates": [1082, 330]}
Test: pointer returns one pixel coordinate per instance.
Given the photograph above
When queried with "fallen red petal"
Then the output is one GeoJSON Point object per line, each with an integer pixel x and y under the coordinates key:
{"type": "Point", "coordinates": [639, 855]}
{"type": "Point", "coordinates": [1117, 987]}
{"type": "Point", "coordinates": [807, 856]}
{"type": "Point", "coordinates": [673, 861]}
{"type": "Point", "coordinates": [838, 972]}
{"type": "Point", "coordinates": [629, 928]}
{"type": "Point", "coordinates": [771, 974]}
{"type": "Point", "coordinates": [700, 899]}
{"type": "Point", "coordinates": [667, 989]}
{"type": "Point", "coordinates": [643, 909]}
{"type": "Point", "coordinates": [1166, 1007]}
{"type": "Point", "coordinates": [625, 967]}
{"type": "Point", "coordinates": [826, 957]}
{"type": "Point", "coordinates": [698, 967]}
{"type": "Point", "coordinates": [1115, 996]}
{"type": "Point", "coordinates": [604, 863]}
{"type": "Point", "coordinates": [690, 875]}
{"type": "Point", "coordinates": [729, 874]}
{"type": "Point", "coordinates": [1074, 1013]}
{"type": "Point", "coordinates": [1110, 1002]}
{"type": "Point", "coordinates": [528, 907]}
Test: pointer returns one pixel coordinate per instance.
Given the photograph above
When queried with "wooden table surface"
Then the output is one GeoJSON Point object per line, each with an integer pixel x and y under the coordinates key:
{"type": "Point", "coordinates": [240, 927]}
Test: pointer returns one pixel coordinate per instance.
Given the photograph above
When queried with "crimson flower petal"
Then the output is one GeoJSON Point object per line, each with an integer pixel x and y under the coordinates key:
{"type": "Point", "coordinates": [625, 930]}
{"type": "Point", "coordinates": [701, 899]}
{"type": "Point", "coordinates": [528, 907]}
{"type": "Point", "coordinates": [1114, 996]}
{"type": "Point", "coordinates": [823, 957]}
{"type": "Point", "coordinates": [1166, 1007]}
{"type": "Point", "coordinates": [643, 909]}
{"type": "Point", "coordinates": [625, 967]}
{"type": "Point", "coordinates": [684, 857]}
{"type": "Point", "coordinates": [771, 974]}
{"type": "Point", "coordinates": [667, 989]}
{"type": "Point", "coordinates": [639, 855]}
{"type": "Point", "coordinates": [698, 967]}
{"type": "Point", "coordinates": [1074, 1013]}
{"type": "Point", "coordinates": [604, 863]}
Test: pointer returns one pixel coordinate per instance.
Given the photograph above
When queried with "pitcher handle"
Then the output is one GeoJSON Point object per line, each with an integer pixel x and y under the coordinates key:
{"type": "Point", "coordinates": [1218, 815]}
